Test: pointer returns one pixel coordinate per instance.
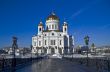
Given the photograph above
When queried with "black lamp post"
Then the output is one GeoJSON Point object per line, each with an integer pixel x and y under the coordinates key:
{"type": "Point", "coordinates": [93, 46]}
{"type": "Point", "coordinates": [86, 39]}
{"type": "Point", "coordinates": [14, 47]}
{"type": "Point", "coordinates": [31, 51]}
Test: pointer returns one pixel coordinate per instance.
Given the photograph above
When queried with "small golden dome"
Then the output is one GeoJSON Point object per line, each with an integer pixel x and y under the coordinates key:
{"type": "Point", "coordinates": [40, 24]}
{"type": "Point", "coordinates": [65, 23]}
{"type": "Point", "coordinates": [52, 17]}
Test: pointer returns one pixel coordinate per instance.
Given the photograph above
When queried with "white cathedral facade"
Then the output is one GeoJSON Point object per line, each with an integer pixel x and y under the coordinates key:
{"type": "Point", "coordinates": [52, 39]}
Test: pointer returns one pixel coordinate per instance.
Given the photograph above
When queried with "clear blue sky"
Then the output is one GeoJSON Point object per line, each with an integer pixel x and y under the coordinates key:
{"type": "Point", "coordinates": [85, 17]}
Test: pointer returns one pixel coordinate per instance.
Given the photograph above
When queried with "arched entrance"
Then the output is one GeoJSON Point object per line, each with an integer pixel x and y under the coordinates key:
{"type": "Point", "coordinates": [45, 50]}
{"type": "Point", "coordinates": [65, 50]}
{"type": "Point", "coordinates": [52, 51]}
{"type": "Point", "coordinates": [60, 50]}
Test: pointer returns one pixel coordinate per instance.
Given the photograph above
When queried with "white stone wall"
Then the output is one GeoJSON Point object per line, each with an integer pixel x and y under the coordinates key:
{"type": "Point", "coordinates": [48, 37]}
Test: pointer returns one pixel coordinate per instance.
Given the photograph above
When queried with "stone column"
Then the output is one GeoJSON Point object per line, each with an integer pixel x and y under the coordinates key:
{"type": "Point", "coordinates": [62, 50]}
{"type": "Point", "coordinates": [68, 50]}
{"type": "Point", "coordinates": [47, 50]}
{"type": "Point", "coordinates": [57, 51]}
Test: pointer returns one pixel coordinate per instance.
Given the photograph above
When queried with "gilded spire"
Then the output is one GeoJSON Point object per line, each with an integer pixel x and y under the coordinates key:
{"type": "Point", "coordinates": [53, 13]}
{"type": "Point", "coordinates": [40, 24]}
{"type": "Point", "coordinates": [52, 16]}
{"type": "Point", "coordinates": [65, 23]}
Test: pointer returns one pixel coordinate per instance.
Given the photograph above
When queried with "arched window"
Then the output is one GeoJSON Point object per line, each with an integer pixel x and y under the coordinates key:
{"type": "Point", "coordinates": [39, 43]}
{"type": "Point", "coordinates": [39, 29]}
{"type": "Point", "coordinates": [65, 29]}
{"type": "Point", "coordinates": [54, 42]}
{"type": "Point", "coordinates": [45, 42]}
{"type": "Point", "coordinates": [60, 42]}
{"type": "Point", "coordinates": [52, 26]}
{"type": "Point", "coordinates": [51, 42]}
{"type": "Point", "coordinates": [55, 26]}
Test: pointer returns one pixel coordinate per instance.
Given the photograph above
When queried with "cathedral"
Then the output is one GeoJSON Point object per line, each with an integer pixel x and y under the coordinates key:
{"type": "Point", "coordinates": [53, 38]}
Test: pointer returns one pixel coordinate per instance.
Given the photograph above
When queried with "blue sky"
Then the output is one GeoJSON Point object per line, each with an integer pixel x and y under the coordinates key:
{"type": "Point", "coordinates": [85, 17]}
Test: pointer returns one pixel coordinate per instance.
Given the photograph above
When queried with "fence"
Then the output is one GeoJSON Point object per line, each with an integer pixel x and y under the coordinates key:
{"type": "Point", "coordinates": [100, 65]}
{"type": "Point", "coordinates": [9, 64]}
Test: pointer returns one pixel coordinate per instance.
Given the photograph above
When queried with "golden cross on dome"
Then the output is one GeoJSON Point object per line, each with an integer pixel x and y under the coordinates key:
{"type": "Point", "coordinates": [53, 13]}
{"type": "Point", "coordinates": [40, 21]}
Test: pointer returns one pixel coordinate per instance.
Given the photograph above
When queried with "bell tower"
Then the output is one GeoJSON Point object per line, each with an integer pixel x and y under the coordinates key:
{"type": "Point", "coordinates": [65, 28]}
{"type": "Point", "coordinates": [40, 28]}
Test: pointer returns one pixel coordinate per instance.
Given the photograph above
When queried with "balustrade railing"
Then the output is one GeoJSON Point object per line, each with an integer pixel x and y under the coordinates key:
{"type": "Point", "coordinates": [97, 63]}
{"type": "Point", "coordinates": [6, 64]}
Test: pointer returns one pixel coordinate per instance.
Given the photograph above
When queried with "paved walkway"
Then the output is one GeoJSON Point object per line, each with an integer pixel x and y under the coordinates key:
{"type": "Point", "coordinates": [55, 65]}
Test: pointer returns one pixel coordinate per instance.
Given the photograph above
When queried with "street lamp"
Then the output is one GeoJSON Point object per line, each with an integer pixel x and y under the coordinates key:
{"type": "Point", "coordinates": [31, 51]}
{"type": "Point", "coordinates": [93, 48]}
{"type": "Point", "coordinates": [14, 46]}
{"type": "Point", "coordinates": [86, 39]}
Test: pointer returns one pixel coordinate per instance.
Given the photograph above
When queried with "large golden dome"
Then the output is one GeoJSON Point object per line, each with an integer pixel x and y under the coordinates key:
{"type": "Point", "coordinates": [52, 17]}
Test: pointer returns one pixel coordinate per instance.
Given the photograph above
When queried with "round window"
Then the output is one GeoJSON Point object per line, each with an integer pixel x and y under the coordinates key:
{"type": "Point", "coordinates": [52, 33]}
